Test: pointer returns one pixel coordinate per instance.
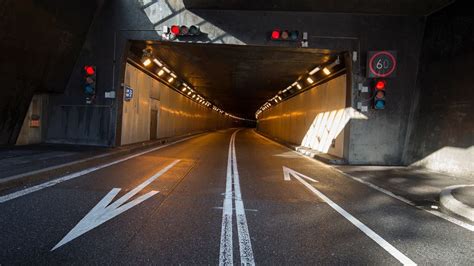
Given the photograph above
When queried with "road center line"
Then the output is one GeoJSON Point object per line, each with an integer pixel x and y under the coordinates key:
{"type": "Point", "coordinates": [245, 245]}
{"type": "Point", "coordinates": [56, 181]}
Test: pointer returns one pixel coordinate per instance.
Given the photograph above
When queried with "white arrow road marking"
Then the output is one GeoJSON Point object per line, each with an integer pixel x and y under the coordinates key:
{"type": "Point", "coordinates": [287, 172]}
{"type": "Point", "coordinates": [245, 245]}
{"type": "Point", "coordinates": [56, 181]}
{"type": "Point", "coordinates": [366, 230]}
{"type": "Point", "coordinates": [102, 212]}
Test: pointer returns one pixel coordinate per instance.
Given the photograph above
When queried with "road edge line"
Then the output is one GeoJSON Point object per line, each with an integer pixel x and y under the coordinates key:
{"type": "Point", "coordinates": [408, 202]}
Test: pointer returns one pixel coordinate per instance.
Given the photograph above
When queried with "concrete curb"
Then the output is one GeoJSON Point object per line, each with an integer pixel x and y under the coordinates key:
{"type": "Point", "coordinates": [325, 158]}
{"type": "Point", "coordinates": [38, 175]}
{"type": "Point", "coordinates": [450, 204]}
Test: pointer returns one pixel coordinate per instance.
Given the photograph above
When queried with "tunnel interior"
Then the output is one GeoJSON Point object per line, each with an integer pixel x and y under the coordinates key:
{"type": "Point", "coordinates": [239, 79]}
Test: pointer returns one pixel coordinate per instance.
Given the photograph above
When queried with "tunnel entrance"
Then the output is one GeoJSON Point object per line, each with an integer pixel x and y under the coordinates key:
{"type": "Point", "coordinates": [295, 94]}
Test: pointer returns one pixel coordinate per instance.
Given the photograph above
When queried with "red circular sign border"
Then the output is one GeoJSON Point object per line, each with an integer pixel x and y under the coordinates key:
{"type": "Point", "coordinates": [391, 70]}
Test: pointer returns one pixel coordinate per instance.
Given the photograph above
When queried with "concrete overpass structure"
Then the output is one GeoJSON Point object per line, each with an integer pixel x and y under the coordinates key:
{"type": "Point", "coordinates": [234, 74]}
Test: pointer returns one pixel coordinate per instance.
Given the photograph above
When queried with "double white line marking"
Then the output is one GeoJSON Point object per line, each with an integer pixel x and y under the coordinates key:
{"type": "Point", "coordinates": [245, 245]}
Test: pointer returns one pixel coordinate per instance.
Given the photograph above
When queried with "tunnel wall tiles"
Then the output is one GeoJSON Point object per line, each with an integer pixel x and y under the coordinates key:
{"type": "Point", "coordinates": [176, 115]}
{"type": "Point", "coordinates": [311, 119]}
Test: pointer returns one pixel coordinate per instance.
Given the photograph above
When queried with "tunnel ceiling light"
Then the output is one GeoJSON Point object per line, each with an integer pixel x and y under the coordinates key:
{"type": "Point", "coordinates": [279, 98]}
{"type": "Point", "coordinates": [166, 70]}
{"type": "Point", "coordinates": [161, 72]}
{"type": "Point", "coordinates": [298, 86]}
{"type": "Point", "coordinates": [183, 89]}
{"type": "Point", "coordinates": [189, 93]}
{"type": "Point", "coordinates": [170, 79]}
{"type": "Point", "coordinates": [326, 71]}
{"type": "Point", "coordinates": [173, 75]}
{"type": "Point", "coordinates": [146, 61]}
{"type": "Point", "coordinates": [194, 95]}
{"type": "Point", "coordinates": [316, 69]}
{"type": "Point", "coordinates": [310, 80]}
{"type": "Point", "coordinates": [157, 62]}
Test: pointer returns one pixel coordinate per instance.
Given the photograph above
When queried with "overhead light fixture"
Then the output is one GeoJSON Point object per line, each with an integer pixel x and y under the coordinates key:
{"type": "Point", "coordinates": [326, 71]}
{"type": "Point", "coordinates": [170, 79]}
{"type": "Point", "coordinates": [189, 93]}
{"type": "Point", "coordinates": [173, 75]}
{"type": "Point", "coordinates": [279, 98]}
{"type": "Point", "coordinates": [298, 86]}
{"type": "Point", "coordinates": [183, 89]}
{"type": "Point", "coordinates": [161, 72]}
{"type": "Point", "coordinates": [309, 80]}
{"type": "Point", "coordinates": [166, 70]}
{"type": "Point", "coordinates": [316, 69]}
{"type": "Point", "coordinates": [157, 62]}
{"type": "Point", "coordinates": [146, 61]}
{"type": "Point", "coordinates": [194, 95]}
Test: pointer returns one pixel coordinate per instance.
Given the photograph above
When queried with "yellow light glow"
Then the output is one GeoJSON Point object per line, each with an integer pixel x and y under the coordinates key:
{"type": "Point", "coordinates": [161, 72]}
{"type": "Point", "coordinates": [189, 93]}
{"type": "Point", "coordinates": [147, 62]}
{"type": "Point", "coordinates": [299, 86]}
{"type": "Point", "coordinates": [310, 80]}
{"type": "Point", "coordinates": [157, 62]}
{"type": "Point", "coordinates": [170, 79]}
{"type": "Point", "coordinates": [326, 71]}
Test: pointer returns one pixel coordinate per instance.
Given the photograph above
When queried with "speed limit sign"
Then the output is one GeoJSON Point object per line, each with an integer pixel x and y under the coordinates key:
{"type": "Point", "coordinates": [381, 64]}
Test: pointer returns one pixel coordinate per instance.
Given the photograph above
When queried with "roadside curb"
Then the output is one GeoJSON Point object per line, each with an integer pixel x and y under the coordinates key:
{"type": "Point", "coordinates": [453, 206]}
{"type": "Point", "coordinates": [42, 174]}
{"type": "Point", "coordinates": [325, 158]}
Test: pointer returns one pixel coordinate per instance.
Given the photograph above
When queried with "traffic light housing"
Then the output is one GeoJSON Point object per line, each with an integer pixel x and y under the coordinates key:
{"type": "Point", "coordinates": [90, 76]}
{"type": "Point", "coordinates": [285, 35]}
{"type": "Point", "coordinates": [379, 90]}
{"type": "Point", "coordinates": [182, 30]}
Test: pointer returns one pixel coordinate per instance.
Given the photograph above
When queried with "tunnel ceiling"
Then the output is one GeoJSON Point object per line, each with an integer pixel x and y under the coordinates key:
{"type": "Point", "coordinates": [237, 78]}
{"type": "Point", "coordinates": [384, 7]}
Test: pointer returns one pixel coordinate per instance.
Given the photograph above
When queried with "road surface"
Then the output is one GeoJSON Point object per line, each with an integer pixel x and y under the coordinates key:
{"type": "Point", "coordinates": [226, 197]}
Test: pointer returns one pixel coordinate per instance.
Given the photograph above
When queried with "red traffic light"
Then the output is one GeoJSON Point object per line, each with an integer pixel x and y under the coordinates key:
{"type": "Point", "coordinates": [175, 29]}
{"type": "Point", "coordinates": [380, 85]}
{"type": "Point", "coordinates": [275, 34]}
{"type": "Point", "coordinates": [284, 35]}
{"type": "Point", "coordinates": [90, 70]}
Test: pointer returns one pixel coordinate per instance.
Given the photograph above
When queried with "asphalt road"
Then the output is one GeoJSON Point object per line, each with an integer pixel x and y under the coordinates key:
{"type": "Point", "coordinates": [217, 199]}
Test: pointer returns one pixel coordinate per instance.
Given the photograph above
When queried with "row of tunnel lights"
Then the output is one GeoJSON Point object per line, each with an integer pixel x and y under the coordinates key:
{"type": "Point", "coordinates": [147, 59]}
{"type": "Point", "coordinates": [297, 84]}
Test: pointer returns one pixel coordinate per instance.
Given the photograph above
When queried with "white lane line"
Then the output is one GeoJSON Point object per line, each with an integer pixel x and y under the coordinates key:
{"type": "Point", "coordinates": [226, 251]}
{"type": "Point", "coordinates": [53, 182]}
{"type": "Point", "coordinates": [433, 212]}
{"type": "Point", "coordinates": [246, 253]}
{"type": "Point", "coordinates": [386, 192]}
{"type": "Point", "coordinates": [245, 245]}
{"type": "Point", "coordinates": [366, 230]}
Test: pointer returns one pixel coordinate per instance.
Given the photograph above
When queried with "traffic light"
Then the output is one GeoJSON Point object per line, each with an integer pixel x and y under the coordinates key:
{"type": "Point", "coordinates": [285, 35]}
{"type": "Point", "coordinates": [182, 30]}
{"type": "Point", "coordinates": [89, 81]}
{"type": "Point", "coordinates": [379, 93]}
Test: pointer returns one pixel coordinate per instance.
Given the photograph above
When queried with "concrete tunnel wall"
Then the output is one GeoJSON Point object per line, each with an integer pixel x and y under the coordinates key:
{"type": "Point", "coordinates": [382, 139]}
{"type": "Point", "coordinates": [120, 21]}
{"type": "Point", "coordinates": [176, 115]}
{"type": "Point", "coordinates": [310, 119]}
{"type": "Point", "coordinates": [441, 129]}
{"type": "Point", "coordinates": [40, 41]}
